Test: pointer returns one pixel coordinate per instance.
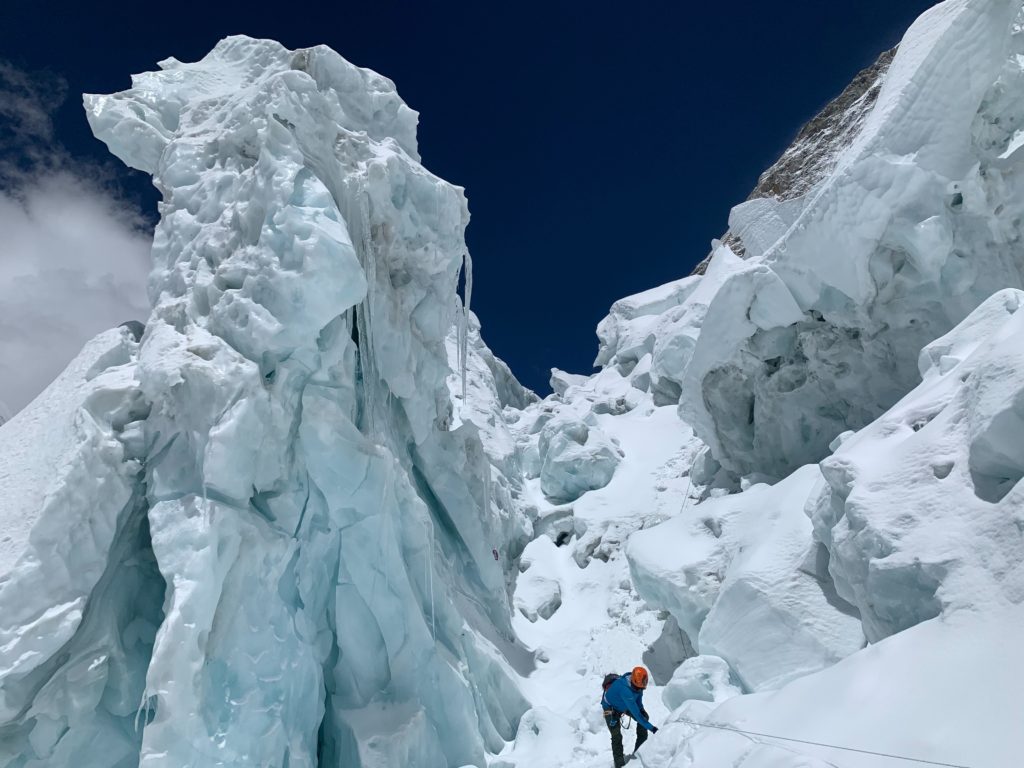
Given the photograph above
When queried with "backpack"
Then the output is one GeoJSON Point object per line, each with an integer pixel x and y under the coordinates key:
{"type": "Point", "coordinates": [610, 678]}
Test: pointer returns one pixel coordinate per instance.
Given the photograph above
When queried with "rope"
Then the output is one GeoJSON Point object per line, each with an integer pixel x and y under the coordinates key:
{"type": "Point", "coordinates": [689, 487]}
{"type": "Point", "coordinates": [822, 744]}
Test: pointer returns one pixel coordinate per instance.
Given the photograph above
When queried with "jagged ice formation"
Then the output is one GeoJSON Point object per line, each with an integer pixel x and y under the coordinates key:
{"type": "Point", "coordinates": [281, 459]}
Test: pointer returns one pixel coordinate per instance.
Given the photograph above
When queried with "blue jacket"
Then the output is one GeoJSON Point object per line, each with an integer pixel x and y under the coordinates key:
{"type": "Point", "coordinates": [623, 697]}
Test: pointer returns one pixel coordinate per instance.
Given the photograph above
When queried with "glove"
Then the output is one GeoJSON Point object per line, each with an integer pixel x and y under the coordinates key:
{"type": "Point", "coordinates": [653, 729]}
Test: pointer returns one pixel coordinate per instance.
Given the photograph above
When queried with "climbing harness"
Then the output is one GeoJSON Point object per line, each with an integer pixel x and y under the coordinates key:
{"type": "Point", "coordinates": [619, 718]}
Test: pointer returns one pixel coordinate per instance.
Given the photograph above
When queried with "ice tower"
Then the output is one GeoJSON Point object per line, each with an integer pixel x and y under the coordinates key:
{"type": "Point", "coordinates": [284, 557]}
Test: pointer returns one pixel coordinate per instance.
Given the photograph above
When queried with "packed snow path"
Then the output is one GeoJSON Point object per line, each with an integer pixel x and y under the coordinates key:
{"type": "Point", "coordinates": [576, 607]}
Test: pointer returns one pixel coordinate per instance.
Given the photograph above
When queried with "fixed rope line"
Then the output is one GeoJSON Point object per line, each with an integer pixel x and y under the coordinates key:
{"type": "Point", "coordinates": [689, 486]}
{"type": "Point", "coordinates": [822, 744]}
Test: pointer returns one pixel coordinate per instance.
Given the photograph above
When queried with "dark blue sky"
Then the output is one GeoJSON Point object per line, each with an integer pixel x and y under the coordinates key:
{"type": "Point", "coordinates": [601, 144]}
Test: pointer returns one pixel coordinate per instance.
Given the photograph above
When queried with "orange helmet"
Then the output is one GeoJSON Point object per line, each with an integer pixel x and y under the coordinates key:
{"type": "Point", "coordinates": [639, 678]}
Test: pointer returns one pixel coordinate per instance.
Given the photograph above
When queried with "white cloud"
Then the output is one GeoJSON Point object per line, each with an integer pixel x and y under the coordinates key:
{"type": "Point", "coordinates": [73, 257]}
{"type": "Point", "coordinates": [71, 265]}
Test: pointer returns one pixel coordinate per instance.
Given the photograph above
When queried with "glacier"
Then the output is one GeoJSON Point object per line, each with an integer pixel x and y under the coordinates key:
{"type": "Point", "coordinates": [304, 516]}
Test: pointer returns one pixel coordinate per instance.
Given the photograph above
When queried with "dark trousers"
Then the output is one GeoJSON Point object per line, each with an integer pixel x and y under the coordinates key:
{"type": "Point", "coordinates": [614, 721]}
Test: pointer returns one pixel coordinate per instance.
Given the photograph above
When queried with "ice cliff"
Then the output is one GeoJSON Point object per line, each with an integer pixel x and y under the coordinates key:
{"type": "Point", "coordinates": [258, 536]}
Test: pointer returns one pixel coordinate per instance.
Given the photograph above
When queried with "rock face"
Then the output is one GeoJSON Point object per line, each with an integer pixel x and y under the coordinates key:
{"type": "Point", "coordinates": [287, 555]}
{"type": "Point", "coordinates": [816, 148]}
{"type": "Point", "coordinates": [811, 157]}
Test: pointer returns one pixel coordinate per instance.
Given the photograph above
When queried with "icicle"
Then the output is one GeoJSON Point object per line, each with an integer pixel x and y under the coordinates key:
{"type": "Point", "coordinates": [467, 266]}
{"type": "Point", "coordinates": [459, 356]}
{"type": "Point", "coordinates": [487, 491]}
{"type": "Point", "coordinates": [365, 317]}
{"type": "Point", "coordinates": [430, 577]}
{"type": "Point", "coordinates": [144, 706]}
{"type": "Point", "coordinates": [383, 531]}
{"type": "Point", "coordinates": [202, 470]}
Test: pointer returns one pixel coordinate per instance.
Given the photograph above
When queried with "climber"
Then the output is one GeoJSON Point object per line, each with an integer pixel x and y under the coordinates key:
{"type": "Point", "coordinates": [624, 695]}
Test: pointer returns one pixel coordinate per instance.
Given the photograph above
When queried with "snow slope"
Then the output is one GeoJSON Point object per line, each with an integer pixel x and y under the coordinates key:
{"type": "Point", "coordinates": [947, 691]}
